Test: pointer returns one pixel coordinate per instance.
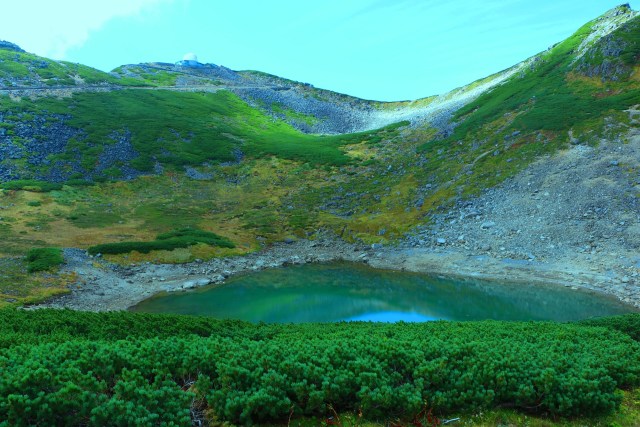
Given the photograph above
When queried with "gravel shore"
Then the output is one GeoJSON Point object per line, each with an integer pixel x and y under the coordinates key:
{"type": "Point", "coordinates": [104, 287]}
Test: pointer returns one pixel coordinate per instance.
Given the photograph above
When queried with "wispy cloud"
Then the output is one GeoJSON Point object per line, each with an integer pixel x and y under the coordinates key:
{"type": "Point", "coordinates": [51, 28]}
{"type": "Point", "coordinates": [381, 5]}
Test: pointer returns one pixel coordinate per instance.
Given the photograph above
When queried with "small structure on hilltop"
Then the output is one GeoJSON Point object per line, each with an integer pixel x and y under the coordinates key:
{"type": "Point", "coordinates": [189, 60]}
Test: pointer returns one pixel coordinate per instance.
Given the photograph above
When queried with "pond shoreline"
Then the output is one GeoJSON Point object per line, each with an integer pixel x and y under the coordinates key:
{"type": "Point", "coordinates": [102, 286]}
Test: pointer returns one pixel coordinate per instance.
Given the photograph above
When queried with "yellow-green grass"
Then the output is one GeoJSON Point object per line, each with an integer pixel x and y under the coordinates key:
{"type": "Point", "coordinates": [18, 286]}
{"type": "Point", "coordinates": [252, 203]}
{"type": "Point", "coordinates": [242, 202]}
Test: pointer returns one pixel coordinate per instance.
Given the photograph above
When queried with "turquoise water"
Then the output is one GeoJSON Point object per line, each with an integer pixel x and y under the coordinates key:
{"type": "Point", "coordinates": [345, 291]}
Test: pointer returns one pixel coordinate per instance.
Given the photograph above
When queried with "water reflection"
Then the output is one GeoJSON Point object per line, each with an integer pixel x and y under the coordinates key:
{"type": "Point", "coordinates": [344, 291]}
{"type": "Point", "coordinates": [392, 316]}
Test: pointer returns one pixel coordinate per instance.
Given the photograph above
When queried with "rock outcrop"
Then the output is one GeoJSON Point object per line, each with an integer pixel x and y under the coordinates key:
{"type": "Point", "coordinates": [10, 46]}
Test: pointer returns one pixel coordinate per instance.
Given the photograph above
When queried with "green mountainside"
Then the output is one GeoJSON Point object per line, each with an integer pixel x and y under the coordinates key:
{"type": "Point", "coordinates": [24, 69]}
{"type": "Point", "coordinates": [174, 163]}
{"type": "Point", "coordinates": [557, 99]}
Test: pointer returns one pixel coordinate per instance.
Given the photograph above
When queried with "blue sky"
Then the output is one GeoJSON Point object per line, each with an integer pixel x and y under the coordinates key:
{"type": "Point", "coordinates": [375, 49]}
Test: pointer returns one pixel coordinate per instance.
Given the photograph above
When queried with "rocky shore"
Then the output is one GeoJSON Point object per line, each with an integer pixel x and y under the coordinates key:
{"type": "Point", "coordinates": [103, 286]}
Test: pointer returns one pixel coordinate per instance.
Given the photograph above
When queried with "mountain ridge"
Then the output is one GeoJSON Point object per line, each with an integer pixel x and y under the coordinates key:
{"type": "Point", "coordinates": [334, 113]}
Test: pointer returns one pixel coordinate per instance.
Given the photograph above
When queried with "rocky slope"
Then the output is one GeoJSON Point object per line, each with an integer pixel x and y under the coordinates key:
{"type": "Point", "coordinates": [578, 207]}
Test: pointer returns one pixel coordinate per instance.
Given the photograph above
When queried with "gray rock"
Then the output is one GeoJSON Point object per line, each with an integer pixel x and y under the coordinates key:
{"type": "Point", "coordinates": [10, 46]}
{"type": "Point", "coordinates": [189, 284]}
{"type": "Point", "coordinates": [197, 175]}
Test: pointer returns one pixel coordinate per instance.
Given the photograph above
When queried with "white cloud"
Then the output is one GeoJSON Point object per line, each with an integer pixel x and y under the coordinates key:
{"type": "Point", "coordinates": [50, 28]}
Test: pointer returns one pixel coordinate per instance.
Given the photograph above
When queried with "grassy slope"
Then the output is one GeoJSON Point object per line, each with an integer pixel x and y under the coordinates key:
{"type": "Point", "coordinates": [31, 70]}
{"type": "Point", "coordinates": [550, 97]}
{"type": "Point", "coordinates": [177, 129]}
{"type": "Point", "coordinates": [527, 117]}
{"type": "Point", "coordinates": [268, 196]}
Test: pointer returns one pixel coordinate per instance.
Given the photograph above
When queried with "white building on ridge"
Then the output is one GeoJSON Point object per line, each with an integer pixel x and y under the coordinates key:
{"type": "Point", "coordinates": [189, 60]}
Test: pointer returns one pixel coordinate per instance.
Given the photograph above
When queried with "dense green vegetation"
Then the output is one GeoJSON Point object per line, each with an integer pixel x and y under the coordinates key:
{"type": "Point", "coordinates": [629, 325]}
{"type": "Point", "coordinates": [43, 259]}
{"type": "Point", "coordinates": [181, 238]}
{"type": "Point", "coordinates": [31, 185]}
{"type": "Point", "coordinates": [75, 368]}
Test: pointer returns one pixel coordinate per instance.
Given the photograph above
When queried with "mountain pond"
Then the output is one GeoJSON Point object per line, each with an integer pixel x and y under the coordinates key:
{"type": "Point", "coordinates": [355, 292]}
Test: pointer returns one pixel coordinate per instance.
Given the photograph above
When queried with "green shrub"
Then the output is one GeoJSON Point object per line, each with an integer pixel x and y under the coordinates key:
{"type": "Point", "coordinates": [628, 324]}
{"type": "Point", "coordinates": [31, 185]}
{"type": "Point", "coordinates": [42, 259]}
{"type": "Point", "coordinates": [76, 368]}
{"type": "Point", "coordinates": [34, 203]}
{"type": "Point", "coordinates": [181, 238]}
{"type": "Point", "coordinates": [194, 233]}
{"type": "Point", "coordinates": [79, 182]}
